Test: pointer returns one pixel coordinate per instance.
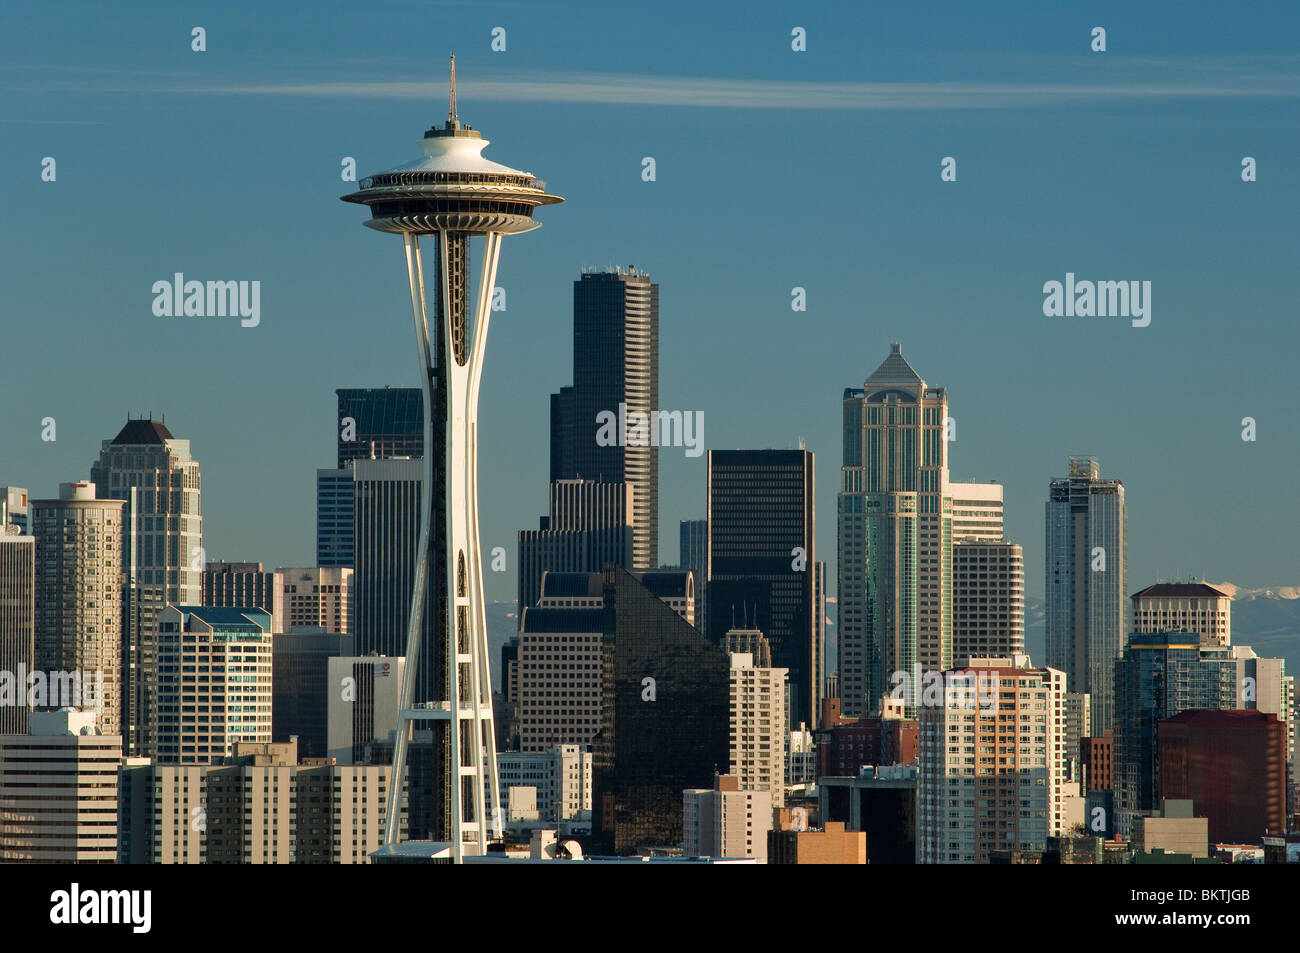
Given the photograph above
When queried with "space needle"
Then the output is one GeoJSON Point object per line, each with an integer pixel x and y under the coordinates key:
{"type": "Point", "coordinates": [450, 195]}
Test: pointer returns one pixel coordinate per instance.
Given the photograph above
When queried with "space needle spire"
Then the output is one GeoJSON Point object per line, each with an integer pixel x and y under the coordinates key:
{"type": "Point", "coordinates": [449, 196]}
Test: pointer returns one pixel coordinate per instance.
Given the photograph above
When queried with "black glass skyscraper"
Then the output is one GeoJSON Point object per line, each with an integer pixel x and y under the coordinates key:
{"type": "Point", "coordinates": [665, 719]}
{"type": "Point", "coordinates": [615, 370]}
{"type": "Point", "coordinates": [762, 565]}
{"type": "Point", "coordinates": [386, 422]}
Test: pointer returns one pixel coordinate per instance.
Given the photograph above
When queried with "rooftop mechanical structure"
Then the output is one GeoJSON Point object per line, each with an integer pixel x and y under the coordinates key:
{"type": "Point", "coordinates": [449, 196]}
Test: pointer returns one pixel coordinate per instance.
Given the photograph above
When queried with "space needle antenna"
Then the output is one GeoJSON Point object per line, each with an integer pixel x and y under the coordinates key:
{"type": "Point", "coordinates": [451, 105]}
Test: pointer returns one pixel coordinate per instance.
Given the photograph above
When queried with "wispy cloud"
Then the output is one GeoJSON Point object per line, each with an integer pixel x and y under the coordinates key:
{"type": "Point", "coordinates": [1148, 80]}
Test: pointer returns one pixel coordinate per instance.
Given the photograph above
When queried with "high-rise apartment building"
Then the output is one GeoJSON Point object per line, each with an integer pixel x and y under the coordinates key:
{"type": "Point", "coordinates": [317, 597]}
{"type": "Point", "coordinates": [1184, 607]}
{"type": "Point", "coordinates": [58, 791]}
{"type": "Point", "coordinates": [1086, 583]}
{"type": "Point", "coordinates": [162, 551]}
{"type": "Point", "coordinates": [243, 584]}
{"type": "Point", "coordinates": [261, 805]}
{"type": "Point", "coordinates": [895, 534]}
{"type": "Point", "coordinates": [616, 371]}
{"type": "Point", "coordinates": [762, 561]}
{"type": "Point", "coordinates": [992, 763]}
{"type": "Point", "coordinates": [988, 599]}
{"type": "Point", "coordinates": [17, 625]}
{"type": "Point", "coordinates": [79, 599]}
{"type": "Point", "coordinates": [214, 685]}
{"type": "Point", "coordinates": [758, 726]}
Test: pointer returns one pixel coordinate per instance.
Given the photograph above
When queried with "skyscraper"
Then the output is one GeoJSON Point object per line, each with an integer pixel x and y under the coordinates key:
{"type": "Point", "coordinates": [693, 554]}
{"type": "Point", "coordinates": [17, 625]}
{"type": "Point", "coordinates": [988, 596]}
{"type": "Point", "coordinates": [664, 718]}
{"type": "Point", "coordinates": [379, 422]}
{"type": "Point", "coordinates": [374, 423]}
{"type": "Point", "coordinates": [162, 550]}
{"type": "Point", "coordinates": [201, 722]}
{"type": "Point", "coordinates": [588, 526]}
{"type": "Point", "coordinates": [615, 370]}
{"type": "Point", "coordinates": [968, 806]}
{"type": "Point", "coordinates": [387, 520]}
{"type": "Point", "coordinates": [895, 534]}
{"type": "Point", "coordinates": [317, 598]}
{"type": "Point", "coordinates": [79, 597]}
{"type": "Point", "coordinates": [1087, 583]}
{"type": "Point", "coordinates": [1184, 607]}
{"type": "Point", "coordinates": [762, 561]}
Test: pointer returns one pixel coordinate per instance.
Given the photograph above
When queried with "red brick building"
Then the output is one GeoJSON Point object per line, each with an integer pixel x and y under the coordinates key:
{"type": "Point", "coordinates": [1232, 765]}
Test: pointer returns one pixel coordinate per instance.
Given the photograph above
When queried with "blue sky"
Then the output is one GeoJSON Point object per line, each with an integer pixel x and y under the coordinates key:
{"type": "Point", "coordinates": [775, 169]}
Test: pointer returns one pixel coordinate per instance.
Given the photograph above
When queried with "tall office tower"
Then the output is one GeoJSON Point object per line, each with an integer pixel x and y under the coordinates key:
{"type": "Point", "coordinates": [200, 722]}
{"type": "Point", "coordinates": [588, 526]}
{"type": "Point", "coordinates": [615, 370]}
{"type": "Point", "coordinates": [379, 422]}
{"type": "Point", "coordinates": [363, 698]}
{"type": "Point", "coordinates": [17, 626]}
{"type": "Point", "coordinates": [373, 424]}
{"type": "Point", "coordinates": [1232, 765]}
{"type": "Point", "coordinates": [301, 688]}
{"type": "Point", "coordinates": [13, 507]}
{"type": "Point", "coordinates": [664, 718]}
{"type": "Point", "coordinates": [758, 726]}
{"type": "Point", "coordinates": [335, 534]}
{"type": "Point", "coordinates": [895, 534]}
{"type": "Point", "coordinates": [162, 551]}
{"type": "Point", "coordinates": [976, 511]}
{"type": "Point", "coordinates": [1087, 581]}
{"type": "Point", "coordinates": [988, 599]}
{"type": "Point", "coordinates": [460, 203]}
{"type": "Point", "coordinates": [387, 519]}
{"type": "Point", "coordinates": [1160, 675]}
{"type": "Point", "coordinates": [824, 661]}
{"type": "Point", "coordinates": [762, 561]}
{"type": "Point", "coordinates": [246, 584]}
{"type": "Point", "coordinates": [58, 791]}
{"type": "Point", "coordinates": [726, 820]}
{"type": "Point", "coordinates": [1184, 607]}
{"type": "Point", "coordinates": [693, 554]}
{"type": "Point", "coordinates": [317, 597]}
{"type": "Point", "coordinates": [993, 765]}
{"type": "Point", "coordinates": [79, 599]}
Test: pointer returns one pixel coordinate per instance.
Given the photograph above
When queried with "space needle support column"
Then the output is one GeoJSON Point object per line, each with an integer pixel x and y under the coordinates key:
{"type": "Point", "coordinates": [415, 277]}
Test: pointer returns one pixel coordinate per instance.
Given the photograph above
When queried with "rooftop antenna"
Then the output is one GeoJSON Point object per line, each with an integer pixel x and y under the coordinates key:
{"type": "Point", "coordinates": [451, 106]}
